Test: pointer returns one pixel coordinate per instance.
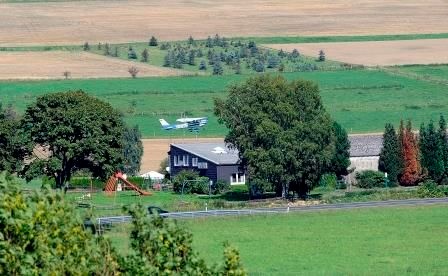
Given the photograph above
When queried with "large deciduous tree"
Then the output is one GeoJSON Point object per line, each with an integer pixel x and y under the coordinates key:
{"type": "Point", "coordinates": [75, 131]}
{"type": "Point", "coordinates": [132, 150]}
{"type": "Point", "coordinates": [13, 145]}
{"type": "Point", "coordinates": [282, 131]}
{"type": "Point", "coordinates": [390, 160]}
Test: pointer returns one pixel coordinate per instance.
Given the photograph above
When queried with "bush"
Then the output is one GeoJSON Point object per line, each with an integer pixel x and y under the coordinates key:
{"type": "Point", "coordinates": [328, 181]}
{"type": "Point", "coordinates": [193, 183]}
{"type": "Point", "coordinates": [429, 188]}
{"type": "Point", "coordinates": [370, 179]}
{"type": "Point", "coordinates": [221, 187]}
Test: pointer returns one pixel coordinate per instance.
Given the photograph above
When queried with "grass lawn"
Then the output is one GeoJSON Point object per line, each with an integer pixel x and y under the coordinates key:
{"type": "Point", "coordinates": [377, 241]}
{"type": "Point", "coordinates": [361, 100]}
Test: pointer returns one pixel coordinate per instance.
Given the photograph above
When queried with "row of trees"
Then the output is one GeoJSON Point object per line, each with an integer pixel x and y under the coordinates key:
{"type": "Point", "coordinates": [409, 158]}
{"type": "Point", "coordinates": [41, 234]}
{"type": "Point", "coordinates": [63, 133]}
{"type": "Point", "coordinates": [285, 137]}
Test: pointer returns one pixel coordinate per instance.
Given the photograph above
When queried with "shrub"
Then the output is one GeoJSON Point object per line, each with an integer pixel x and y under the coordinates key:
{"type": "Point", "coordinates": [193, 183]}
{"type": "Point", "coordinates": [328, 181]}
{"type": "Point", "coordinates": [369, 179]}
{"type": "Point", "coordinates": [221, 187]}
{"type": "Point", "coordinates": [429, 188]}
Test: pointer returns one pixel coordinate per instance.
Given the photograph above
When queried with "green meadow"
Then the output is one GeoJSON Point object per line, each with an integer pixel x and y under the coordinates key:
{"type": "Point", "coordinates": [374, 241]}
{"type": "Point", "coordinates": [361, 100]}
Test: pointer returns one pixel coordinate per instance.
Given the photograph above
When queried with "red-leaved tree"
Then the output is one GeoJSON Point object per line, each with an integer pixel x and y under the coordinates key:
{"type": "Point", "coordinates": [409, 151]}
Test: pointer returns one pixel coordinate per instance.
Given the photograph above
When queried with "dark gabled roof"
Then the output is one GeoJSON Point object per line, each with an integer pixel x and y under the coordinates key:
{"type": "Point", "coordinates": [217, 153]}
{"type": "Point", "coordinates": [220, 154]}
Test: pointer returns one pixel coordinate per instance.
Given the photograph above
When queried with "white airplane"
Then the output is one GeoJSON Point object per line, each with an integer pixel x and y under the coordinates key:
{"type": "Point", "coordinates": [193, 124]}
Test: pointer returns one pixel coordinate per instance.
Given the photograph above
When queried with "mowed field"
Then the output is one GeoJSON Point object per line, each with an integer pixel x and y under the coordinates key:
{"type": "Point", "coordinates": [375, 241]}
{"type": "Point", "coordinates": [74, 22]}
{"type": "Point", "coordinates": [51, 65]}
{"type": "Point", "coordinates": [361, 100]}
{"type": "Point", "coordinates": [156, 150]}
{"type": "Point", "coordinates": [373, 53]}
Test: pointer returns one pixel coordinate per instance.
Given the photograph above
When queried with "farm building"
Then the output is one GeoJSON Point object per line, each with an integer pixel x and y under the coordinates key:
{"type": "Point", "coordinates": [217, 162]}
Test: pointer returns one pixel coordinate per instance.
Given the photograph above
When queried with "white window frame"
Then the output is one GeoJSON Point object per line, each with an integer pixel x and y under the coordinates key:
{"type": "Point", "coordinates": [176, 161]}
{"type": "Point", "coordinates": [186, 160]}
{"type": "Point", "coordinates": [194, 161]}
{"type": "Point", "coordinates": [239, 177]}
{"type": "Point", "coordinates": [202, 165]}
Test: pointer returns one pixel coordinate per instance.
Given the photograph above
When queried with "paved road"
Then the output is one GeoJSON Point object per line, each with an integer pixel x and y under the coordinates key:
{"type": "Point", "coordinates": [338, 206]}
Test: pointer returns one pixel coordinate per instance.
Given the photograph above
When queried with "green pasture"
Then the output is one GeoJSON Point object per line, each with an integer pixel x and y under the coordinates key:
{"type": "Point", "coordinates": [361, 100]}
{"type": "Point", "coordinates": [375, 241]}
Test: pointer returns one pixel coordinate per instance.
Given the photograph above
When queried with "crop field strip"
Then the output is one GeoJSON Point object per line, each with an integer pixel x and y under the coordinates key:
{"type": "Point", "coordinates": [81, 65]}
{"type": "Point", "coordinates": [117, 21]}
{"type": "Point", "coordinates": [377, 53]}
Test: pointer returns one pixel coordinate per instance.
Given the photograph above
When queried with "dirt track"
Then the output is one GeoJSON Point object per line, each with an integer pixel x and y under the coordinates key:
{"type": "Point", "coordinates": [372, 53]}
{"type": "Point", "coordinates": [51, 65]}
{"type": "Point", "coordinates": [125, 21]}
{"type": "Point", "coordinates": [156, 150]}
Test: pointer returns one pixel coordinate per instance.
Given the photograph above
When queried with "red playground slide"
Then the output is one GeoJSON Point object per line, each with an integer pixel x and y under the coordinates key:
{"type": "Point", "coordinates": [111, 185]}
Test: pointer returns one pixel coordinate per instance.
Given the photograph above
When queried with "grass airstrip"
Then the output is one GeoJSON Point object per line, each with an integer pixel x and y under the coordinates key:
{"type": "Point", "coordinates": [362, 100]}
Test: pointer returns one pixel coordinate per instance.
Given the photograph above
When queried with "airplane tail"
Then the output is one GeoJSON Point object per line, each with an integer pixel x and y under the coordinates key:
{"type": "Point", "coordinates": [164, 123]}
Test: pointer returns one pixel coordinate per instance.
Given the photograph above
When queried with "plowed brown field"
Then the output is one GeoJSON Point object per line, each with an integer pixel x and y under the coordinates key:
{"type": "Point", "coordinates": [51, 65]}
{"type": "Point", "coordinates": [156, 150]}
{"type": "Point", "coordinates": [372, 53]}
{"type": "Point", "coordinates": [126, 21]}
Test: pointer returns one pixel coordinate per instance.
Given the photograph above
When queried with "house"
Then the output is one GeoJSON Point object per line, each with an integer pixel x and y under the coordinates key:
{"type": "Point", "coordinates": [213, 160]}
{"type": "Point", "coordinates": [218, 162]}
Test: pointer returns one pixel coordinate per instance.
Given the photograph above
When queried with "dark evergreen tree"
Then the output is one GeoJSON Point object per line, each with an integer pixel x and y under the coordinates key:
{"type": "Point", "coordinates": [217, 40]}
{"type": "Point", "coordinates": [295, 54]}
{"type": "Point", "coordinates": [191, 57]}
{"type": "Point", "coordinates": [167, 60]}
{"type": "Point", "coordinates": [145, 55]}
{"type": "Point", "coordinates": [444, 144]}
{"type": "Point", "coordinates": [390, 156]}
{"type": "Point", "coordinates": [321, 55]}
{"type": "Point", "coordinates": [431, 151]}
{"type": "Point", "coordinates": [107, 49]}
{"type": "Point", "coordinates": [341, 158]}
{"type": "Point", "coordinates": [209, 42]}
{"type": "Point", "coordinates": [202, 65]}
{"type": "Point", "coordinates": [131, 53]}
{"type": "Point", "coordinates": [282, 53]}
{"type": "Point", "coordinates": [273, 61]}
{"type": "Point", "coordinates": [86, 46]}
{"type": "Point", "coordinates": [217, 67]}
{"type": "Point", "coordinates": [259, 67]}
{"type": "Point", "coordinates": [100, 46]}
{"type": "Point", "coordinates": [191, 41]}
{"type": "Point", "coordinates": [153, 41]}
{"type": "Point", "coordinates": [199, 53]}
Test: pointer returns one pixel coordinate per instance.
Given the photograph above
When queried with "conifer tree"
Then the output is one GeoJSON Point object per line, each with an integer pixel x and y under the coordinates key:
{"type": "Point", "coordinates": [443, 144]}
{"type": "Point", "coordinates": [409, 151]}
{"type": "Point", "coordinates": [153, 41]}
{"type": "Point", "coordinates": [389, 161]}
{"type": "Point", "coordinates": [321, 55]}
{"type": "Point", "coordinates": [145, 55]}
{"type": "Point", "coordinates": [341, 157]}
{"type": "Point", "coordinates": [431, 152]}
{"type": "Point", "coordinates": [202, 65]}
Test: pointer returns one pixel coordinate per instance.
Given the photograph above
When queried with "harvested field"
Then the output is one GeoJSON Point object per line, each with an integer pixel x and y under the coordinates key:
{"type": "Point", "coordinates": [372, 53]}
{"type": "Point", "coordinates": [125, 21]}
{"type": "Point", "coordinates": [155, 150]}
{"type": "Point", "coordinates": [51, 65]}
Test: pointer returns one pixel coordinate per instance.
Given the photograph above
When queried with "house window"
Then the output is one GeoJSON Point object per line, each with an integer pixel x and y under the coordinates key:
{"type": "Point", "coordinates": [186, 160]}
{"type": "Point", "coordinates": [194, 161]}
{"type": "Point", "coordinates": [237, 179]}
{"type": "Point", "coordinates": [177, 161]}
{"type": "Point", "coordinates": [202, 165]}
